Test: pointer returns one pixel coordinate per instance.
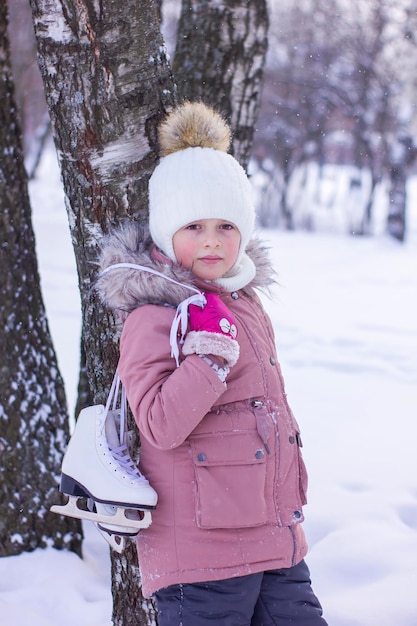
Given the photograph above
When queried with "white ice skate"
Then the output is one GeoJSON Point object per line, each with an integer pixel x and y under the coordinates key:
{"type": "Point", "coordinates": [100, 478]}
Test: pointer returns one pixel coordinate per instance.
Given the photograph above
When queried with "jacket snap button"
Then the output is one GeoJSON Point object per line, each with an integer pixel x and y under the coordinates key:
{"type": "Point", "coordinates": [259, 454]}
{"type": "Point", "coordinates": [235, 295]}
{"type": "Point", "coordinates": [291, 439]}
{"type": "Point", "coordinates": [201, 457]}
{"type": "Point", "coordinates": [272, 360]}
{"type": "Point", "coordinates": [257, 403]}
{"type": "Point", "coordinates": [297, 514]}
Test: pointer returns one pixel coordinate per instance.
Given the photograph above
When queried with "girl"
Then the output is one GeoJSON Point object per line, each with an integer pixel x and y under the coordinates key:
{"type": "Point", "coordinates": [219, 442]}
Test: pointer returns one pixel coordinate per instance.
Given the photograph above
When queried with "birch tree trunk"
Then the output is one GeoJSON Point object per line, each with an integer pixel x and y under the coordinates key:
{"type": "Point", "coordinates": [396, 224]}
{"type": "Point", "coordinates": [33, 409]}
{"type": "Point", "coordinates": [402, 155]}
{"type": "Point", "coordinates": [108, 84]}
{"type": "Point", "coordinates": [220, 59]}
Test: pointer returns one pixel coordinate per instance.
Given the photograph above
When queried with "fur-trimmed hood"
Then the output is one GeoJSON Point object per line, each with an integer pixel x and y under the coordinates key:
{"type": "Point", "coordinates": [126, 289]}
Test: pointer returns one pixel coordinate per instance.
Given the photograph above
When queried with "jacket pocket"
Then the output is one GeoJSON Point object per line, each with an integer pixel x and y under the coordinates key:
{"type": "Point", "coordinates": [230, 474]}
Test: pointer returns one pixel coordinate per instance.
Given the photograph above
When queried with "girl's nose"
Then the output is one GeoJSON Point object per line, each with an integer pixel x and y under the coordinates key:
{"type": "Point", "coordinates": [211, 239]}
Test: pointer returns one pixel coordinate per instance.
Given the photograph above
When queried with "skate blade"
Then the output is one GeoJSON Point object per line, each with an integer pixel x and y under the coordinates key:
{"type": "Point", "coordinates": [116, 542]}
{"type": "Point", "coordinates": [71, 509]}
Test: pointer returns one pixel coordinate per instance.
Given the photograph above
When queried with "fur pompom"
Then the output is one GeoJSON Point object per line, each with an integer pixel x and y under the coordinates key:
{"type": "Point", "coordinates": [192, 125]}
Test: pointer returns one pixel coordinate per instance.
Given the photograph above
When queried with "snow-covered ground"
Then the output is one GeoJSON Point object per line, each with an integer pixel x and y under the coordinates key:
{"type": "Point", "coordinates": [345, 315]}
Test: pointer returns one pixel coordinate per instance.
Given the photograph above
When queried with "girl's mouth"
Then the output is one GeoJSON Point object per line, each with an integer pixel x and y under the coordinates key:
{"type": "Point", "coordinates": [210, 260]}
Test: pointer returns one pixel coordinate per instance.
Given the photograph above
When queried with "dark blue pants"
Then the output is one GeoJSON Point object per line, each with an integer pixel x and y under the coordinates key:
{"type": "Point", "coordinates": [279, 597]}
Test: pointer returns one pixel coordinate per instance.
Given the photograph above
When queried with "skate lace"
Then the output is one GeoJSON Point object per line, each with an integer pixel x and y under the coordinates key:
{"type": "Point", "coordinates": [180, 322]}
{"type": "Point", "coordinates": [121, 452]}
{"type": "Point", "coordinates": [181, 316]}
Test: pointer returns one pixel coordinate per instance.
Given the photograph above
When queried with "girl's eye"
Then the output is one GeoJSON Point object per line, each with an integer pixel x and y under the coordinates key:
{"type": "Point", "coordinates": [193, 227]}
{"type": "Point", "coordinates": [227, 226]}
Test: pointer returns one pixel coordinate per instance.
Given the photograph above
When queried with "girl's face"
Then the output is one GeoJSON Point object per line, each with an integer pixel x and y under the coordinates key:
{"type": "Point", "coordinates": [209, 248]}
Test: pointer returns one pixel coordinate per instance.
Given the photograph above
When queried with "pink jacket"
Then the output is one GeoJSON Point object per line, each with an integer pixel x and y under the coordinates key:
{"type": "Point", "coordinates": [224, 459]}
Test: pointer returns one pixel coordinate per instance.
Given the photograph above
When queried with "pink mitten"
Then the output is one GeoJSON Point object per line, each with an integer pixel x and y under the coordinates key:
{"type": "Point", "coordinates": [212, 330]}
{"type": "Point", "coordinates": [215, 317]}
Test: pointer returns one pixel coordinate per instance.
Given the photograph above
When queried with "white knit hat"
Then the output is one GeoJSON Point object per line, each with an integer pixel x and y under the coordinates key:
{"type": "Point", "coordinates": [197, 179]}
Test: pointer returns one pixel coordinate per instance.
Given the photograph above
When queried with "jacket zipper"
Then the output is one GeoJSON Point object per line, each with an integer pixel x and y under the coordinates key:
{"type": "Point", "coordinates": [294, 543]}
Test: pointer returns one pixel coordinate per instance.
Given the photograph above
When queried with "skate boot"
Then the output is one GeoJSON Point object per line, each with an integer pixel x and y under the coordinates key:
{"type": "Point", "coordinates": [101, 479]}
{"type": "Point", "coordinates": [116, 535]}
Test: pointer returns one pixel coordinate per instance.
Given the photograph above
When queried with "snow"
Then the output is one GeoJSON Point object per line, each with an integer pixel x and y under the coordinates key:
{"type": "Point", "coordinates": [346, 325]}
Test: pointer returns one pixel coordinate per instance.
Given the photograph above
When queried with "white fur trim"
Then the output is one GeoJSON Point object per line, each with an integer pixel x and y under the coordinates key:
{"type": "Point", "coordinates": [239, 276]}
{"type": "Point", "coordinates": [204, 342]}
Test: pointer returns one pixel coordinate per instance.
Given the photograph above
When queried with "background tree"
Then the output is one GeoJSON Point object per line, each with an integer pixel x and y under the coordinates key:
{"type": "Point", "coordinates": [338, 90]}
{"type": "Point", "coordinates": [33, 410]}
{"type": "Point", "coordinates": [220, 57]}
{"type": "Point", "coordinates": [367, 97]}
{"type": "Point", "coordinates": [295, 111]}
{"type": "Point", "coordinates": [401, 146]}
{"type": "Point", "coordinates": [29, 92]}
